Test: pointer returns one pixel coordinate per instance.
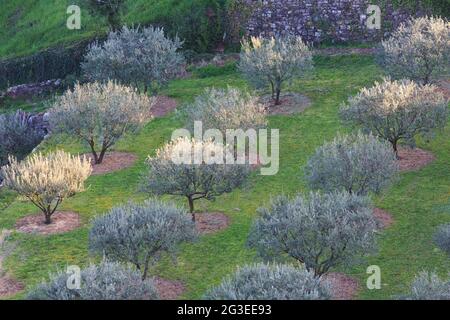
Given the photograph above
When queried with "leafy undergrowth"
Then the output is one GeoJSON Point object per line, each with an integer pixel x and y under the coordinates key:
{"type": "Point", "coordinates": [418, 202]}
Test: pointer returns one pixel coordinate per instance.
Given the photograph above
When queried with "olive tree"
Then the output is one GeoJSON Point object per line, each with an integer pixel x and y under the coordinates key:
{"type": "Point", "coordinates": [428, 286]}
{"type": "Point", "coordinates": [320, 230]}
{"type": "Point", "coordinates": [136, 57]}
{"type": "Point", "coordinates": [419, 50]}
{"type": "Point", "coordinates": [99, 114]}
{"type": "Point", "coordinates": [274, 61]}
{"type": "Point", "coordinates": [106, 281]}
{"type": "Point", "coordinates": [270, 282]}
{"type": "Point", "coordinates": [140, 233]}
{"type": "Point", "coordinates": [357, 163]}
{"type": "Point", "coordinates": [442, 238]}
{"type": "Point", "coordinates": [46, 180]}
{"type": "Point", "coordinates": [193, 169]}
{"type": "Point", "coordinates": [397, 110]}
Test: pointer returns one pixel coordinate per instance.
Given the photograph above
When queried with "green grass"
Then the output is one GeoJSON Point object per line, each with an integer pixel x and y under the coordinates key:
{"type": "Point", "coordinates": [419, 202]}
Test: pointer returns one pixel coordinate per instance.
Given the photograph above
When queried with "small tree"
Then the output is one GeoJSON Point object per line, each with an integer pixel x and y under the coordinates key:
{"type": "Point", "coordinates": [139, 234]}
{"type": "Point", "coordinates": [320, 231]}
{"type": "Point", "coordinates": [175, 171]}
{"type": "Point", "coordinates": [47, 180]}
{"type": "Point", "coordinates": [442, 238]}
{"type": "Point", "coordinates": [270, 282]}
{"type": "Point", "coordinates": [274, 61]}
{"type": "Point", "coordinates": [109, 8]}
{"type": "Point", "coordinates": [419, 50]}
{"type": "Point", "coordinates": [106, 281]}
{"type": "Point", "coordinates": [428, 286]}
{"type": "Point", "coordinates": [356, 163]}
{"type": "Point", "coordinates": [397, 110]}
{"type": "Point", "coordinates": [100, 114]}
{"type": "Point", "coordinates": [135, 57]}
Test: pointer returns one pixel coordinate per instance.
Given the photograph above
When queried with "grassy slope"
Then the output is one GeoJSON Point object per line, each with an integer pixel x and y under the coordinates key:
{"type": "Point", "coordinates": [419, 202]}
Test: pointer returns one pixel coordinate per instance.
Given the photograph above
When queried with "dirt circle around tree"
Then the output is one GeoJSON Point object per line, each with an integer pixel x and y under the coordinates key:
{"type": "Point", "coordinates": [163, 106]}
{"type": "Point", "coordinates": [169, 289]}
{"type": "Point", "coordinates": [383, 217]}
{"type": "Point", "coordinates": [414, 159]}
{"type": "Point", "coordinates": [9, 286]}
{"type": "Point", "coordinates": [211, 222]}
{"type": "Point", "coordinates": [343, 287]}
{"type": "Point", "coordinates": [113, 161]}
{"type": "Point", "coordinates": [61, 222]}
{"type": "Point", "coordinates": [290, 103]}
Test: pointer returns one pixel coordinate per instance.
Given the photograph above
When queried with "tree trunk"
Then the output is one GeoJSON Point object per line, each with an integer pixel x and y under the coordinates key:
{"type": "Point", "coordinates": [48, 219]}
{"type": "Point", "coordinates": [277, 97]}
{"type": "Point", "coordinates": [102, 155]}
{"type": "Point", "coordinates": [395, 147]}
{"type": "Point", "coordinates": [191, 207]}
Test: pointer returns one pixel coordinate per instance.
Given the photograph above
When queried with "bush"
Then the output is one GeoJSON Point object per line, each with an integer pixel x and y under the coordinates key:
{"type": "Point", "coordinates": [428, 286]}
{"type": "Point", "coordinates": [442, 238]}
{"type": "Point", "coordinates": [139, 234]}
{"type": "Point", "coordinates": [47, 180]}
{"type": "Point", "coordinates": [170, 173]}
{"type": "Point", "coordinates": [111, 9]}
{"type": "Point", "coordinates": [17, 136]}
{"type": "Point", "coordinates": [106, 281]}
{"type": "Point", "coordinates": [356, 163]}
{"type": "Point", "coordinates": [397, 110]}
{"type": "Point", "coordinates": [270, 282]}
{"type": "Point", "coordinates": [419, 50]}
{"type": "Point", "coordinates": [320, 231]}
{"type": "Point", "coordinates": [135, 57]}
{"type": "Point", "coordinates": [99, 114]}
{"type": "Point", "coordinates": [274, 61]}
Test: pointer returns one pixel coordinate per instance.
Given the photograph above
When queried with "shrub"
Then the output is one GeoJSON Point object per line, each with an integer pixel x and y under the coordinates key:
{"type": "Point", "coordinates": [442, 238]}
{"type": "Point", "coordinates": [397, 110]}
{"type": "Point", "coordinates": [99, 114]}
{"type": "Point", "coordinates": [175, 171]}
{"type": "Point", "coordinates": [270, 282]}
{"type": "Point", "coordinates": [17, 137]}
{"type": "Point", "coordinates": [428, 286]}
{"type": "Point", "coordinates": [274, 61]}
{"type": "Point", "coordinates": [419, 50]}
{"type": "Point", "coordinates": [139, 234]}
{"type": "Point", "coordinates": [106, 281]}
{"type": "Point", "coordinates": [46, 180]}
{"type": "Point", "coordinates": [356, 163]}
{"type": "Point", "coordinates": [135, 57]}
{"type": "Point", "coordinates": [111, 9]}
{"type": "Point", "coordinates": [320, 231]}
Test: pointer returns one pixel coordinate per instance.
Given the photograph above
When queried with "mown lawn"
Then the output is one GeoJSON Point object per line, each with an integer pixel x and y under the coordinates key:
{"type": "Point", "coordinates": [419, 202]}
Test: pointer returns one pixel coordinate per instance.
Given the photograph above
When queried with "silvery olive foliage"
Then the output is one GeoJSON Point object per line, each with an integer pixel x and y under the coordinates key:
{"type": "Point", "coordinates": [224, 109]}
{"type": "Point", "coordinates": [318, 230]}
{"type": "Point", "coordinates": [357, 163]}
{"type": "Point", "coordinates": [100, 114]}
{"type": "Point", "coordinates": [428, 286]}
{"type": "Point", "coordinates": [46, 180]}
{"type": "Point", "coordinates": [175, 171]}
{"type": "Point", "coordinates": [442, 238]}
{"type": "Point", "coordinates": [136, 57]}
{"type": "Point", "coordinates": [140, 233]}
{"type": "Point", "coordinates": [17, 136]}
{"type": "Point", "coordinates": [270, 282]}
{"type": "Point", "coordinates": [106, 281]}
{"type": "Point", "coordinates": [418, 50]}
{"type": "Point", "coordinates": [274, 61]}
{"type": "Point", "coordinates": [397, 110]}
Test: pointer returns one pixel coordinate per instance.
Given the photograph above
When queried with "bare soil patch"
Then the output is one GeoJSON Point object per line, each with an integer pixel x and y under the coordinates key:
{"type": "Point", "coordinates": [163, 106]}
{"type": "Point", "coordinates": [383, 217]}
{"type": "Point", "coordinates": [9, 286]}
{"type": "Point", "coordinates": [169, 289]}
{"type": "Point", "coordinates": [343, 287]}
{"type": "Point", "coordinates": [211, 222]}
{"type": "Point", "coordinates": [414, 159]}
{"type": "Point", "coordinates": [113, 161]}
{"type": "Point", "coordinates": [61, 222]}
{"type": "Point", "coordinates": [290, 103]}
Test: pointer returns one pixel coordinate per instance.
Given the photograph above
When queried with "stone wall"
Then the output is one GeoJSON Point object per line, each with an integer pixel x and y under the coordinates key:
{"type": "Point", "coordinates": [317, 21]}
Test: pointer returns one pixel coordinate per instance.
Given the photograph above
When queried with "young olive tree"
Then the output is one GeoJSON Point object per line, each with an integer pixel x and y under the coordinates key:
{"type": "Point", "coordinates": [139, 234]}
{"type": "Point", "coordinates": [193, 169]}
{"type": "Point", "coordinates": [270, 282]}
{"type": "Point", "coordinates": [321, 231]}
{"type": "Point", "coordinates": [111, 9]}
{"type": "Point", "coordinates": [100, 114]}
{"type": "Point", "coordinates": [46, 180]}
{"type": "Point", "coordinates": [397, 110]}
{"type": "Point", "coordinates": [136, 57]}
{"type": "Point", "coordinates": [274, 61]}
{"type": "Point", "coordinates": [106, 281]}
{"type": "Point", "coordinates": [357, 163]}
{"type": "Point", "coordinates": [442, 238]}
{"type": "Point", "coordinates": [419, 50]}
{"type": "Point", "coordinates": [428, 286]}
